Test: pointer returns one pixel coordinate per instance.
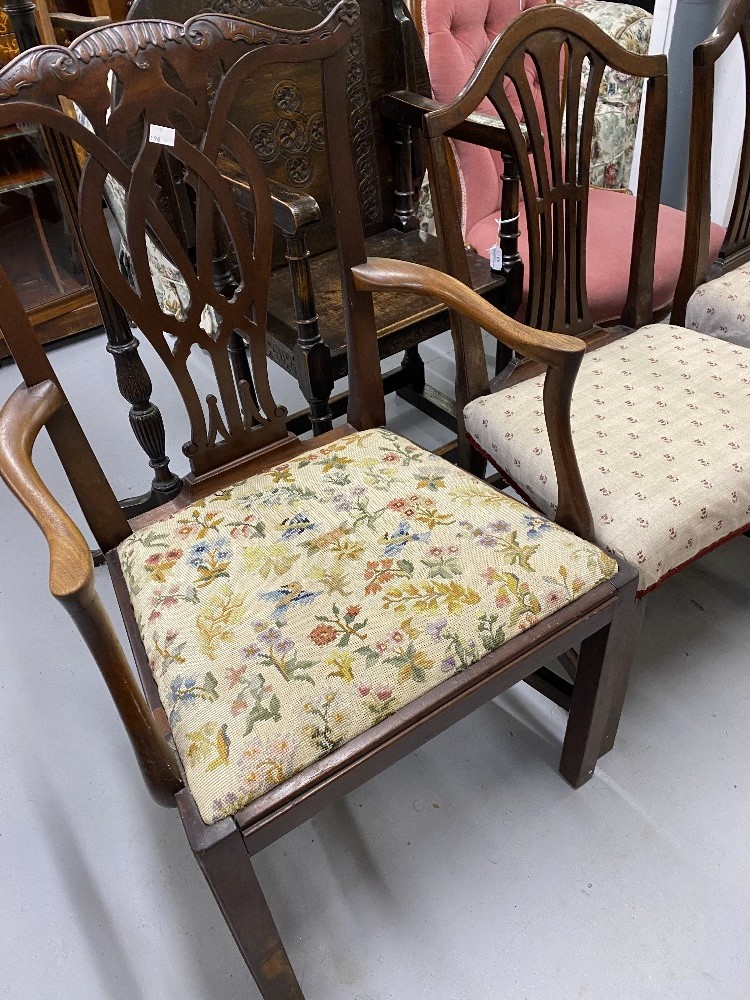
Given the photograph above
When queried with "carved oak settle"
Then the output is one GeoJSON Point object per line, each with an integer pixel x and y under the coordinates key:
{"type": "Point", "coordinates": [171, 113]}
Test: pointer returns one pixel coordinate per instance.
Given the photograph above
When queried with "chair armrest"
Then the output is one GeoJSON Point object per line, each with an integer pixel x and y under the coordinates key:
{"type": "Point", "coordinates": [71, 580]}
{"type": "Point", "coordinates": [549, 348]}
{"type": "Point", "coordinates": [75, 25]}
{"type": "Point", "coordinates": [292, 210]}
{"type": "Point", "coordinates": [478, 128]}
{"type": "Point", "coordinates": [561, 353]}
{"type": "Point", "coordinates": [21, 419]}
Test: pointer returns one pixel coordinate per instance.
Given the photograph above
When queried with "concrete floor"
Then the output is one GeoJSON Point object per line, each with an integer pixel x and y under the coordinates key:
{"type": "Point", "coordinates": [469, 871]}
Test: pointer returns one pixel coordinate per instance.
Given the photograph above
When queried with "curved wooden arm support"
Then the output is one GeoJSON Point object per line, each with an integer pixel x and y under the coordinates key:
{"type": "Point", "coordinates": [547, 348]}
{"type": "Point", "coordinates": [561, 353]}
{"type": "Point", "coordinates": [71, 581]}
{"type": "Point", "coordinates": [21, 419]}
{"type": "Point", "coordinates": [479, 128]}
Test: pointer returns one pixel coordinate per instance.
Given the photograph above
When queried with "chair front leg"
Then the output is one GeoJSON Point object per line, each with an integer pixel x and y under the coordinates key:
{"type": "Point", "coordinates": [600, 684]}
{"type": "Point", "coordinates": [222, 855]}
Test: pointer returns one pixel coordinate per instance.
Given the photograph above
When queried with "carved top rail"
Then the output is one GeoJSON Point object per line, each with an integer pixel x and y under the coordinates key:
{"type": "Point", "coordinates": [176, 84]}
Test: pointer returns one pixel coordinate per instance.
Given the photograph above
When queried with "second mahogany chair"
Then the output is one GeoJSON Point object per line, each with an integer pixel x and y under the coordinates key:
{"type": "Point", "coordinates": [303, 614]}
{"type": "Point", "coordinates": [658, 416]}
{"type": "Point", "coordinates": [713, 295]}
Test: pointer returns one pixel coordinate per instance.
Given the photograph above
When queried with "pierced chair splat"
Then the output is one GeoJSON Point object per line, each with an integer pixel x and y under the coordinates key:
{"type": "Point", "coordinates": [303, 614]}
{"type": "Point", "coordinates": [281, 117]}
{"type": "Point", "coordinates": [459, 41]}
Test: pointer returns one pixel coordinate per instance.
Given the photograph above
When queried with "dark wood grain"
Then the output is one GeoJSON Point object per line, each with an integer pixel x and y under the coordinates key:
{"type": "Point", "coordinates": [553, 161]}
{"type": "Point", "coordinates": [306, 330]}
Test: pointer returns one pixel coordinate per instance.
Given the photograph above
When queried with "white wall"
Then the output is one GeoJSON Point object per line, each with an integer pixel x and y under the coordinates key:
{"type": "Point", "coordinates": [729, 105]}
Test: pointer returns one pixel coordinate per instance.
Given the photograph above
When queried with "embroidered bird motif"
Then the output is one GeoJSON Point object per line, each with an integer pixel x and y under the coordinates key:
{"type": "Point", "coordinates": [401, 537]}
{"type": "Point", "coordinates": [296, 525]}
{"type": "Point", "coordinates": [289, 595]}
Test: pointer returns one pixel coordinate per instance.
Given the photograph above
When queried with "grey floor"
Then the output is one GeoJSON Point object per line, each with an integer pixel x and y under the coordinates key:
{"type": "Point", "coordinates": [468, 871]}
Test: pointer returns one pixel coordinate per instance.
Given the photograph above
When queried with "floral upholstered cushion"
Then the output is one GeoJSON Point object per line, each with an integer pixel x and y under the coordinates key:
{"type": "Point", "coordinates": [659, 421]}
{"type": "Point", "coordinates": [286, 615]}
{"type": "Point", "coordinates": [721, 307]}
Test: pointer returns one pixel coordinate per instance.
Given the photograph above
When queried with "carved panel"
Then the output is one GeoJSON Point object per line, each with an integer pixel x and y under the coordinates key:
{"type": "Point", "coordinates": [300, 171]}
{"type": "Point", "coordinates": [292, 136]}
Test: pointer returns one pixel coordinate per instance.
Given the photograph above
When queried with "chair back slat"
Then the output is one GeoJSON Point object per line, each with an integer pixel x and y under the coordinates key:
{"type": "Point", "coordinates": [735, 250]}
{"type": "Point", "coordinates": [533, 75]}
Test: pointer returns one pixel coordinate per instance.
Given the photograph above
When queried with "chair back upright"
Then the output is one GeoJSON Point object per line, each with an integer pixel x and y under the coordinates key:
{"type": "Point", "coordinates": [696, 263]}
{"type": "Point", "coordinates": [532, 77]}
{"type": "Point", "coordinates": [176, 87]}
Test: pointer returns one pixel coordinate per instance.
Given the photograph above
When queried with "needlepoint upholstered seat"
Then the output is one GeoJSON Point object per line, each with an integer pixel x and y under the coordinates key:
{"type": "Point", "coordinates": [658, 421]}
{"type": "Point", "coordinates": [289, 613]}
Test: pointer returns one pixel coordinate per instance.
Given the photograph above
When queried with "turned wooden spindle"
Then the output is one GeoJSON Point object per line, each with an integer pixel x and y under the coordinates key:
{"type": "Point", "coordinates": [132, 378]}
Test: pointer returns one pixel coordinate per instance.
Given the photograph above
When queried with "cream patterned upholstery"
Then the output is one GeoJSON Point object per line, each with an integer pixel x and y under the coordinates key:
{"type": "Point", "coordinates": [721, 307]}
{"type": "Point", "coordinates": [286, 615]}
{"type": "Point", "coordinates": [659, 423]}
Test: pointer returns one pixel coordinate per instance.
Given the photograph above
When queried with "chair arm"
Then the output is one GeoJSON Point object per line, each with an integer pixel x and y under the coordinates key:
{"type": "Point", "coordinates": [292, 210]}
{"type": "Point", "coordinates": [561, 353]}
{"type": "Point", "coordinates": [71, 580]}
{"type": "Point", "coordinates": [478, 128]}
{"type": "Point", "coordinates": [549, 348]}
{"type": "Point", "coordinates": [21, 419]}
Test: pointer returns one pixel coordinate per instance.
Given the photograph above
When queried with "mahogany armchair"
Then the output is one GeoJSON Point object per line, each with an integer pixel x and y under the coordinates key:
{"type": "Point", "coordinates": [456, 39]}
{"type": "Point", "coordinates": [303, 613]}
{"type": "Point", "coordinates": [713, 294]}
{"type": "Point", "coordinates": [658, 414]}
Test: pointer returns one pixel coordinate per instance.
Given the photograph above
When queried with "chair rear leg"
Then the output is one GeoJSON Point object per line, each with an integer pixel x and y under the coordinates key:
{"type": "Point", "coordinates": [599, 689]}
{"type": "Point", "coordinates": [630, 639]}
{"type": "Point", "coordinates": [221, 853]}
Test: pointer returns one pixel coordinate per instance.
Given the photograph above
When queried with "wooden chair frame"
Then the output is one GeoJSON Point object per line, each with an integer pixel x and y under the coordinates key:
{"type": "Point", "coordinates": [696, 266]}
{"type": "Point", "coordinates": [556, 199]}
{"type": "Point", "coordinates": [253, 435]}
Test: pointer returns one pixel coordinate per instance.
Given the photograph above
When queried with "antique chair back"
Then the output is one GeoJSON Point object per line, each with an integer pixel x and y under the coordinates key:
{"type": "Point", "coordinates": [520, 75]}
{"type": "Point", "coordinates": [612, 220]}
{"type": "Point", "coordinates": [240, 416]}
{"type": "Point", "coordinates": [281, 116]}
{"type": "Point", "coordinates": [244, 615]}
{"type": "Point", "coordinates": [700, 261]}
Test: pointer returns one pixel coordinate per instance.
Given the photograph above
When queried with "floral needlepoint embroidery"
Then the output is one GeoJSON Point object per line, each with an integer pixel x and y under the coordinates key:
{"type": "Point", "coordinates": [288, 614]}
